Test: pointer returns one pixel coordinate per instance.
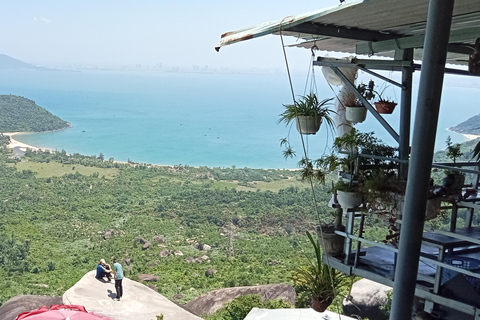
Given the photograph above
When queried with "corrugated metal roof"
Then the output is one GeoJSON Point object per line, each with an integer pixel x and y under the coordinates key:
{"type": "Point", "coordinates": [370, 26]}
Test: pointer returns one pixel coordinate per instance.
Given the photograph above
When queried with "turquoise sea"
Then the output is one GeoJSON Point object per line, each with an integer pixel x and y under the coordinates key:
{"type": "Point", "coordinates": [215, 120]}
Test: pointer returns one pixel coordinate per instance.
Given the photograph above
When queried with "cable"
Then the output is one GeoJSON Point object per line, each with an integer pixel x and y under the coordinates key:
{"type": "Point", "coordinates": [306, 156]}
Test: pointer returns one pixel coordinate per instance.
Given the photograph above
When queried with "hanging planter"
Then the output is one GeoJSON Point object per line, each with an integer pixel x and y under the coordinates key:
{"type": "Point", "coordinates": [385, 107]}
{"type": "Point", "coordinates": [309, 113]}
{"type": "Point", "coordinates": [355, 114]}
{"type": "Point", "coordinates": [308, 125]}
{"type": "Point", "coordinates": [349, 199]}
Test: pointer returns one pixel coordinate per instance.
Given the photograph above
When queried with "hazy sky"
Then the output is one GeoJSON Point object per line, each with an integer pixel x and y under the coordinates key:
{"type": "Point", "coordinates": [107, 32]}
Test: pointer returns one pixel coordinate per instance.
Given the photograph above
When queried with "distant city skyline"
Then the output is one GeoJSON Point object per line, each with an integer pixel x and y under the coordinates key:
{"type": "Point", "coordinates": [127, 33]}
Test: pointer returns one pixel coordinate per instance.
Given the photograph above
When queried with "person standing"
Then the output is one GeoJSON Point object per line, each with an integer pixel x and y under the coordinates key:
{"type": "Point", "coordinates": [118, 272]}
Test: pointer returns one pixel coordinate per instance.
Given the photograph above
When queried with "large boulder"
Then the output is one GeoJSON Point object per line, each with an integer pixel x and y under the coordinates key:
{"type": "Point", "coordinates": [211, 301]}
{"type": "Point", "coordinates": [13, 307]}
{"type": "Point", "coordinates": [365, 300]}
{"type": "Point", "coordinates": [147, 277]}
{"type": "Point", "coordinates": [138, 301]}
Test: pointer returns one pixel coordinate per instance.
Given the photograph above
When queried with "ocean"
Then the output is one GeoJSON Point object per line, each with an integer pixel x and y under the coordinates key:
{"type": "Point", "coordinates": [196, 119]}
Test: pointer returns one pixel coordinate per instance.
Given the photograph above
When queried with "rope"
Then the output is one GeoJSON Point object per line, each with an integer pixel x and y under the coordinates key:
{"type": "Point", "coordinates": [314, 198]}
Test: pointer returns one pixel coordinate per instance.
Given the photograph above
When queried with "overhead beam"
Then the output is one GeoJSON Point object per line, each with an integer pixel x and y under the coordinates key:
{"type": "Point", "coordinates": [340, 32]}
{"type": "Point", "coordinates": [388, 65]}
{"type": "Point", "coordinates": [417, 42]}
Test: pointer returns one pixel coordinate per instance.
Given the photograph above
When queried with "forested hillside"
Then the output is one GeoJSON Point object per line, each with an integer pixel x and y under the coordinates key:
{"type": "Point", "coordinates": [21, 114]}
{"type": "Point", "coordinates": [470, 126]}
{"type": "Point", "coordinates": [60, 214]}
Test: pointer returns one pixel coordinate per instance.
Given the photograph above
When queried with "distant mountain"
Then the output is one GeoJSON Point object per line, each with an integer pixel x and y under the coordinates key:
{"type": "Point", "coordinates": [21, 114]}
{"type": "Point", "coordinates": [471, 126]}
{"type": "Point", "coordinates": [7, 62]}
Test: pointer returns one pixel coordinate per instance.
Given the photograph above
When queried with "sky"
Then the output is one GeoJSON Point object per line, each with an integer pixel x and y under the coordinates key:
{"type": "Point", "coordinates": [173, 33]}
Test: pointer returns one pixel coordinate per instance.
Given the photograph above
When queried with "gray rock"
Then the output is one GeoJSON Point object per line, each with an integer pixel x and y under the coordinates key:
{"type": "Point", "coordinates": [190, 259]}
{"type": "Point", "coordinates": [127, 261]}
{"type": "Point", "coordinates": [365, 300]}
{"type": "Point", "coordinates": [158, 239]}
{"type": "Point", "coordinates": [211, 301]}
{"type": "Point", "coordinates": [165, 253]}
{"type": "Point", "coordinates": [107, 235]}
{"type": "Point", "coordinates": [147, 277]}
{"type": "Point", "coordinates": [146, 245]}
{"type": "Point", "coordinates": [206, 247]}
{"type": "Point", "coordinates": [138, 302]}
{"type": "Point", "coordinates": [16, 305]}
{"type": "Point", "coordinates": [177, 296]}
{"type": "Point", "coordinates": [178, 253]}
{"type": "Point", "coordinates": [141, 240]}
{"type": "Point", "coordinates": [210, 272]}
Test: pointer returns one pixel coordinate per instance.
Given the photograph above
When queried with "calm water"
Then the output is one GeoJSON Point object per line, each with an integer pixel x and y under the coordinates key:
{"type": "Point", "coordinates": [195, 119]}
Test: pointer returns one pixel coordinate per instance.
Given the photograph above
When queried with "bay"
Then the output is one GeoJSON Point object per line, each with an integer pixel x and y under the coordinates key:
{"type": "Point", "coordinates": [198, 119]}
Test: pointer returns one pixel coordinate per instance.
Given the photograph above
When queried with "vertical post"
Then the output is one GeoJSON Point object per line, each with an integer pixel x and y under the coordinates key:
{"type": "Point", "coordinates": [426, 120]}
{"type": "Point", "coordinates": [405, 113]}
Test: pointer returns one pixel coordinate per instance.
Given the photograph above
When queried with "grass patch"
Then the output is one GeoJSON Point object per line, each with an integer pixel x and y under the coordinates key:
{"type": "Point", "coordinates": [55, 169]}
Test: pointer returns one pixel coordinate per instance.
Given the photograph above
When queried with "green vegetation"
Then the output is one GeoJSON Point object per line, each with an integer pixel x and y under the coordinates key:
{"type": "Point", "coordinates": [22, 114]}
{"type": "Point", "coordinates": [56, 211]}
{"type": "Point", "coordinates": [56, 208]}
{"type": "Point", "coordinates": [241, 306]}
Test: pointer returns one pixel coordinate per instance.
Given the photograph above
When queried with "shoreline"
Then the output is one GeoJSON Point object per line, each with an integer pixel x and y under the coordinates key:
{"type": "Point", "coordinates": [466, 135]}
{"type": "Point", "coordinates": [17, 144]}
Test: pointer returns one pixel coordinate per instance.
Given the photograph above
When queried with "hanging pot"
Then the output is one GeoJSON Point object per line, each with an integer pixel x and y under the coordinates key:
{"type": "Point", "coordinates": [332, 243]}
{"type": "Point", "coordinates": [356, 114]}
{"type": "Point", "coordinates": [385, 107]}
{"type": "Point", "coordinates": [308, 124]}
{"type": "Point", "coordinates": [320, 305]}
{"type": "Point", "coordinates": [349, 199]}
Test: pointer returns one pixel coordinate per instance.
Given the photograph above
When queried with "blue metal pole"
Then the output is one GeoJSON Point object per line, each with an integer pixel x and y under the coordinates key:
{"type": "Point", "coordinates": [423, 141]}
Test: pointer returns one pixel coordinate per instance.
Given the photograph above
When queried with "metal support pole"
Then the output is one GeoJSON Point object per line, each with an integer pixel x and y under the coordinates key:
{"type": "Point", "coordinates": [405, 113]}
{"type": "Point", "coordinates": [426, 120]}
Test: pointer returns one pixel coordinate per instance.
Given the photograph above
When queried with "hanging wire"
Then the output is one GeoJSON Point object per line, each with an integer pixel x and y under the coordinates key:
{"type": "Point", "coordinates": [310, 179]}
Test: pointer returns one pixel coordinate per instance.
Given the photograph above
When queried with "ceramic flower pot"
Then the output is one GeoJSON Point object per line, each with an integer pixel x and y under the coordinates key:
{"type": "Point", "coordinates": [349, 199]}
{"type": "Point", "coordinates": [385, 107]}
{"type": "Point", "coordinates": [308, 125]}
{"type": "Point", "coordinates": [355, 114]}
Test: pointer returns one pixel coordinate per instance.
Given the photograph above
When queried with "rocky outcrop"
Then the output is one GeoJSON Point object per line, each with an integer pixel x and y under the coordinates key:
{"type": "Point", "coordinates": [146, 245]}
{"type": "Point", "coordinates": [211, 301]}
{"type": "Point", "coordinates": [146, 277]}
{"type": "Point", "coordinates": [13, 307]}
{"type": "Point", "coordinates": [138, 302]}
{"type": "Point", "coordinates": [365, 300]}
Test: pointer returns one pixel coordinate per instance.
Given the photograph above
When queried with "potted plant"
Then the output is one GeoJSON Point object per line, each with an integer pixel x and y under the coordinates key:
{"type": "Point", "coordinates": [309, 113]}
{"type": "Point", "coordinates": [384, 105]}
{"type": "Point", "coordinates": [317, 281]}
{"type": "Point", "coordinates": [454, 180]}
{"type": "Point", "coordinates": [355, 111]}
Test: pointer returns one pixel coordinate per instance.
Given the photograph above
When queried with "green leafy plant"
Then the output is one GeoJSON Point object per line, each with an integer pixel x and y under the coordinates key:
{"type": "Point", "coordinates": [310, 106]}
{"type": "Point", "coordinates": [476, 152]}
{"type": "Point", "coordinates": [317, 281]}
{"type": "Point", "coordinates": [453, 150]}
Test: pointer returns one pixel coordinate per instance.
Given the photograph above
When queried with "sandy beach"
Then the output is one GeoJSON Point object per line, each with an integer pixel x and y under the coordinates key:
{"type": "Point", "coordinates": [471, 136]}
{"type": "Point", "coordinates": [14, 143]}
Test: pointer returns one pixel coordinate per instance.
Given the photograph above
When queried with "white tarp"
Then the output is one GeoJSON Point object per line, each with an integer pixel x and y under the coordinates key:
{"type": "Point", "coordinates": [293, 314]}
